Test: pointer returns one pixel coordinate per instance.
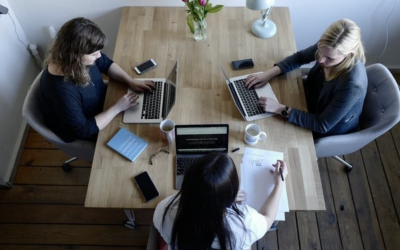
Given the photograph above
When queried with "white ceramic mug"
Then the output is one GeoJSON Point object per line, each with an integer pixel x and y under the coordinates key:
{"type": "Point", "coordinates": [253, 134]}
{"type": "Point", "coordinates": [167, 128]}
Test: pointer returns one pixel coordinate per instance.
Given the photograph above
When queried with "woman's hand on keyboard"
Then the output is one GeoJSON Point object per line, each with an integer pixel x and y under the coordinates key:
{"type": "Point", "coordinates": [127, 101]}
{"type": "Point", "coordinates": [258, 80]}
{"type": "Point", "coordinates": [270, 105]}
{"type": "Point", "coordinates": [142, 85]}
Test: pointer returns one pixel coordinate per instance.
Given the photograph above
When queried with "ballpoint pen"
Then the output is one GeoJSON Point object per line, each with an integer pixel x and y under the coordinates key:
{"type": "Point", "coordinates": [280, 171]}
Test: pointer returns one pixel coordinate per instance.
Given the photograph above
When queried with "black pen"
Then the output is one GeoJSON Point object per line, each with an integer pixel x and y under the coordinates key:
{"type": "Point", "coordinates": [234, 150]}
{"type": "Point", "coordinates": [280, 171]}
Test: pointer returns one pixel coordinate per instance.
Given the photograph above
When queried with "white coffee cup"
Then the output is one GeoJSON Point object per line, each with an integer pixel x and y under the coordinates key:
{"type": "Point", "coordinates": [253, 134]}
{"type": "Point", "coordinates": [167, 128]}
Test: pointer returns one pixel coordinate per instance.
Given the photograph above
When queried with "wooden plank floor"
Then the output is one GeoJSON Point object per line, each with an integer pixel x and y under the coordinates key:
{"type": "Point", "coordinates": [44, 209]}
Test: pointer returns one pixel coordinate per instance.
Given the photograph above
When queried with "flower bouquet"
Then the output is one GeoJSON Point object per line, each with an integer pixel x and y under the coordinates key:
{"type": "Point", "coordinates": [197, 12]}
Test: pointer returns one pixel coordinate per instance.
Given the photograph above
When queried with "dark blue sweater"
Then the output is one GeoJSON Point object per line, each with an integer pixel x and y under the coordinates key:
{"type": "Point", "coordinates": [337, 104]}
{"type": "Point", "coordinates": [69, 109]}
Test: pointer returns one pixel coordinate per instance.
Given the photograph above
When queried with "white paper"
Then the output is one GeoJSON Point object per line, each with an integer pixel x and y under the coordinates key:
{"type": "Point", "coordinates": [258, 181]}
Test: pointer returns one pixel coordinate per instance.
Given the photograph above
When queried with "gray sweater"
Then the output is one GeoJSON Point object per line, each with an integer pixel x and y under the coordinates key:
{"type": "Point", "coordinates": [336, 105]}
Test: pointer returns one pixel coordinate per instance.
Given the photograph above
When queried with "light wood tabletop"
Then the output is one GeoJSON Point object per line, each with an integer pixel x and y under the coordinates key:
{"type": "Point", "coordinates": [161, 33]}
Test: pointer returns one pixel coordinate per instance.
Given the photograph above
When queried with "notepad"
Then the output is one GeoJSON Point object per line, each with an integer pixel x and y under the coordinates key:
{"type": "Point", "coordinates": [258, 182]}
{"type": "Point", "coordinates": [127, 144]}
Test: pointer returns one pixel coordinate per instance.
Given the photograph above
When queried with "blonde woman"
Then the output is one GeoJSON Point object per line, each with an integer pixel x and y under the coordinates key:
{"type": "Point", "coordinates": [335, 87]}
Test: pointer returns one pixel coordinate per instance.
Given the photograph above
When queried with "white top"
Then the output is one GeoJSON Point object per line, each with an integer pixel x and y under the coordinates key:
{"type": "Point", "coordinates": [255, 224]}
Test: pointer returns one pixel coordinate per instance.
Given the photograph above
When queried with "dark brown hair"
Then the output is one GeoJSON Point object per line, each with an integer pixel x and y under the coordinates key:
{"type": "Point", "coordinates": [76, 38]}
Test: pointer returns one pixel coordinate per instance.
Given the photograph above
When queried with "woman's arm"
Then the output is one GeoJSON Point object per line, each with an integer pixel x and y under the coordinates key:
{"type": "Point", "coordinates": [104, 118]}
{"type": "Point", "coordinates": [117, 73]}
{"type": "Point", "coordinates": [270, 207]}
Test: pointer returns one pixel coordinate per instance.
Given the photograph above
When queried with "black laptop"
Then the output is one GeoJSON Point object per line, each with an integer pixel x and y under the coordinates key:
{"type": "Point", "coordinates": [194, 141]}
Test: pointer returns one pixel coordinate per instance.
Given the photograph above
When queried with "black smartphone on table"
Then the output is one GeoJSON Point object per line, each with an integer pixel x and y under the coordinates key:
{"type": "Point", "coordinates": [146, 186]}
{"type": "Point", "coordinates": [243, 64]}
{"type": "Point", "coordinates": [147, 65]}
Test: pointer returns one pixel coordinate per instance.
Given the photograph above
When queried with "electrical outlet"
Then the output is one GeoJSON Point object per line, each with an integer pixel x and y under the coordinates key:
{"type": "Point", "coordinates": [3, 10]}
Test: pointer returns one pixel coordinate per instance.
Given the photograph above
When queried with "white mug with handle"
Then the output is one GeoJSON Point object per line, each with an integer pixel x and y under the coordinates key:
{"type": "Point", "coordinates": [167, 128]}
{"type": "Point", "coordinates": [253, 134]}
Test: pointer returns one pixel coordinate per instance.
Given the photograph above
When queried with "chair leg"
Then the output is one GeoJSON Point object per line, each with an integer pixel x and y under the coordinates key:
{"type": "Point", "coordinates": [65, 166]}
{"type": "Point", "coordinates": [347, 166]}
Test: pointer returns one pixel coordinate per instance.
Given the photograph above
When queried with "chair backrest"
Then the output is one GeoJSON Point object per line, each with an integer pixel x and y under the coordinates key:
{"type": "Point", "coordinates": [84, 150]}
{"type": "Point", "coordinates": [381, 111]}
{"type": "Point", "coordinates": [382, 99]}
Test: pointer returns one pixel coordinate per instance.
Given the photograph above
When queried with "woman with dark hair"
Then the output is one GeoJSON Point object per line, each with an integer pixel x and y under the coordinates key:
{"type": "Point", "coordinates": [335, 87]}
{"type": "Point", "coordinates": [206, 213]}
{"type": "Point", "coordinates": [71, 85]}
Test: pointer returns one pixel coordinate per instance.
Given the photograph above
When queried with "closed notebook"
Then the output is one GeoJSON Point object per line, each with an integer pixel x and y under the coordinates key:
{"type": "Point", "coordinates": [127, 144]}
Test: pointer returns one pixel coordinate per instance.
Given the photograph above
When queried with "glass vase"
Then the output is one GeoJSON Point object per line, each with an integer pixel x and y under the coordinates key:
{"type": "Point", "coordinates": [200, 30]}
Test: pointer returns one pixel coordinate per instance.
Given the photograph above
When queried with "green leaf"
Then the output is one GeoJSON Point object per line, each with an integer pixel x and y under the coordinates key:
{"type": "Point", "coordinates": [189, 20]}
{"type": "Point", "coordinates": [214, 9]}
{"type": "Point", "coordinates": [198, 13]}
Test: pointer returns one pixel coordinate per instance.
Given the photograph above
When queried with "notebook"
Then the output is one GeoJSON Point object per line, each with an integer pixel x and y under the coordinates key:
{"type": "Point", "coordinates": [246, 100]}
{"type": "Point", "coordinates": [127, 144]}
{"type": "Point", "coordinates": [154, 107]}
{"type": "Point", "coordinates": [194, 141]}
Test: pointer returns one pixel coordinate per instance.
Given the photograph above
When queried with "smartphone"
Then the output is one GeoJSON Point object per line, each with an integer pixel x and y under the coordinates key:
{"type": "Point", "coordinates": [146, 186]}
{"type": "Point", "coordinates": [243, 64]}
{"type": "Point", "coordinates": [147, 65]}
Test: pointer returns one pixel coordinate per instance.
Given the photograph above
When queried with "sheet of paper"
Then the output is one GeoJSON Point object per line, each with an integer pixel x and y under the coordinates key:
{"type": "Point", "coordinates": [258, 181]}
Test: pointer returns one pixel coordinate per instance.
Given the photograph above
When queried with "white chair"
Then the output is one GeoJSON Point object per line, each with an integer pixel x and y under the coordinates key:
{"type": "Point", "coordinates": [81, 149]}
{"type": "Point", "coordinates": [381, 111]}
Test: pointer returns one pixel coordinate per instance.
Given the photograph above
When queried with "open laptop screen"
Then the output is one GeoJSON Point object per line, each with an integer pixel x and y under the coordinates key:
{"type": "Point", "coordinates": [201, 139]}
{"type": "Point", "coordinates": [170, 91]}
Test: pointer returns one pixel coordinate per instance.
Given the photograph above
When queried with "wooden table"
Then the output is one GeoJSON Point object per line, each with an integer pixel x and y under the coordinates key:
{"type": "Point", "coordinates": [161, 33]}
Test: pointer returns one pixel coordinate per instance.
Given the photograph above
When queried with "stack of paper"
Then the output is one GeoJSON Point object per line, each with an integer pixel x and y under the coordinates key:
{"type": "Point", "coordinates": [257, 180]}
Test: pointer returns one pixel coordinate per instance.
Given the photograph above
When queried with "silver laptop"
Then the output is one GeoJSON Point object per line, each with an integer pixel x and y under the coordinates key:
{"type": "Point", "coordinates": [194, 141]}
{"type": "Point", "coordinates": [154, 107]}
{"type": "Point", "coordinates": [246, 100]}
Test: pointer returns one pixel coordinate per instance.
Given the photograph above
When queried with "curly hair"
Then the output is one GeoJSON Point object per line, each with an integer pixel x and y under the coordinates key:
{"type": "Point", "coordinates": [76, 38]}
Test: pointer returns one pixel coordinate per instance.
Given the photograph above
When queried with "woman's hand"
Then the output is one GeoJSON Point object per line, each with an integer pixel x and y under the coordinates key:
{"type": "Point", "coordinates": [142, 86]}
{"type": "Point", "coordinates": [127, 101]}
{"type": "Point", "coordinates": [256, 81]}
{"type": "Point", "coordinates": [270, 105]}
{"type": "Point", "coordinates": [279, 166]}
{"type": "Point", "coordinates": [240, 197]}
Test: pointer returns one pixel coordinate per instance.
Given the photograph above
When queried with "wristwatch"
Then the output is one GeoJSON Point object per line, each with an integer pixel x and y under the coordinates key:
{"type": "Point", "coordinates": [285, 112]}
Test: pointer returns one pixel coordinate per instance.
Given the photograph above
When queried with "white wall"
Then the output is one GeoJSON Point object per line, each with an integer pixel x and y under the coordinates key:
{"type": "Point", "coordinates": [309, 18]}
{"type": "Point", "coordinates": [18, 70]}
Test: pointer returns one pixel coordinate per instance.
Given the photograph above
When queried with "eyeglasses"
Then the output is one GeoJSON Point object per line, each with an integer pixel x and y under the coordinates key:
{"type": "Point", "coordinates": [164, 149]}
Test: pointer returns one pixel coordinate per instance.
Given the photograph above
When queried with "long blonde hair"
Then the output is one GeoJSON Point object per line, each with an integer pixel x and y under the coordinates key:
{"type": "Point", "coordinates": [345, 36]}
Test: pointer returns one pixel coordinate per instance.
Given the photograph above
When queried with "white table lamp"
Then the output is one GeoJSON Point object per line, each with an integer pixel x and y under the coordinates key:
{"type": "Point", "coordinates": [263, 28]}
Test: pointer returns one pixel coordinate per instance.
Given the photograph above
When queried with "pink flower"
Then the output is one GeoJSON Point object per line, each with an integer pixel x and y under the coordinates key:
{"type": "Point", "coordinates": [202, 2]}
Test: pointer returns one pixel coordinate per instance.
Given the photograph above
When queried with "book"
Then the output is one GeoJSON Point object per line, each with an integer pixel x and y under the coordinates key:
{"type": "Point", "coordinates": [127, 144]}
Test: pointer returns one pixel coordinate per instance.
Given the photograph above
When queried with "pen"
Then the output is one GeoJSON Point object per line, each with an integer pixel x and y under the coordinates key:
{"type": "Point", "coordinates": [280, 171]}
{"type": "Point", "coordinates": [236, 149]}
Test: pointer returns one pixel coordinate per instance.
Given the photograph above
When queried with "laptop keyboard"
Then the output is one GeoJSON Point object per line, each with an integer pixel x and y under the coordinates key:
{"type": "Point", "coordinates": [183, 163]}
{"type": "Point", "coordinates": [152, 103]}
{"type": "Point", "coordinates": [249, 98]}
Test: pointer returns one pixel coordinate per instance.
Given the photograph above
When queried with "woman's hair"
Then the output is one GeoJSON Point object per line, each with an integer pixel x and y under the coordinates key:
{"type": "Point", "coordinates": [210, 186]}
{"type": "Point", "coordinates": [76, 38]}
{"type": "Point", "coordinates": [345, 36]}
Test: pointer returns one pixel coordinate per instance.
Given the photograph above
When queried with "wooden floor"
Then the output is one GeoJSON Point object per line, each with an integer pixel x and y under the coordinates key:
{"type": "Point", "coordinates": [44, 209]}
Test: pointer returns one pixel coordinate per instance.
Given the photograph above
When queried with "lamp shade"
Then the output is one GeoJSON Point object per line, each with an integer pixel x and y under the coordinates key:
{"type": "Point", "coordinates": [259, 4]}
